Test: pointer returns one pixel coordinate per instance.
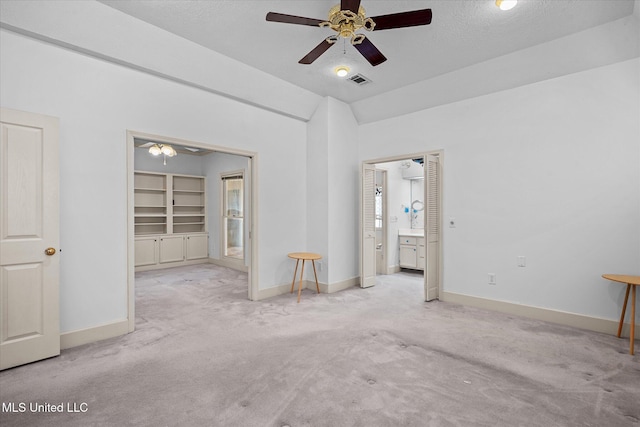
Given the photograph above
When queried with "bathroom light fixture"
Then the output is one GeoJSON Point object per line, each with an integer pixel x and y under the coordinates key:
{"type": "Point", "coordinates": [342, 70]}
{"type": "Point", "coordinates": [164, 149]}
{"type": "Point", "coordinates": [506, 4]}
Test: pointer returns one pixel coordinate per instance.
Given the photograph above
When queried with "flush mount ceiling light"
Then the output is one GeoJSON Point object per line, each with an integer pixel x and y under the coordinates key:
{"type": "Point", "coordinates": [342, 71]}
{"type": "Point", "coordinates": [506, 4]}
{"type": "Point", "coordinates": [164, 149]}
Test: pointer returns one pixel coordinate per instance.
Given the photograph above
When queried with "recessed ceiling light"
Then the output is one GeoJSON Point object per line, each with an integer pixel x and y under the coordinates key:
{"type": "Point", "coordinates": [506, 4]}
{"type": "Point", "coordinates": [342, 70]}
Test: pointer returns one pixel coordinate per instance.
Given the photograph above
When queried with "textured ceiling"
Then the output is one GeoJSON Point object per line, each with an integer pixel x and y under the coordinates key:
{"type": "Point", "coordinates": [462, 33]}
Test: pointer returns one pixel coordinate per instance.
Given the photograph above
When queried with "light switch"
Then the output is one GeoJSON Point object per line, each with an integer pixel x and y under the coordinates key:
{"type": "Point", "coordinates": [522, 261]}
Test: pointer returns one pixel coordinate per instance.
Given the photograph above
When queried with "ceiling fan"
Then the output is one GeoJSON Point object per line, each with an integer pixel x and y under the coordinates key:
{"type": "Point", "coordinates": [349, 17]}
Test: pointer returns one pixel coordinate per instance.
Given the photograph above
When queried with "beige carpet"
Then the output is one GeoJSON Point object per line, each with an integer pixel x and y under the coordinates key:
{"type": "Point", "coordinates": [203, 355]}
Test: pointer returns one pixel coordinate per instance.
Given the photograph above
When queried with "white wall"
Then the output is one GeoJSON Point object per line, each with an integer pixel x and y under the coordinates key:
{"type": "Point", "coordinates": [333, 192]}
{"type": "Point", "coordinates": [97, 102]}
{"type": "Point", "coordinates": [548, 171]}
{"type": "Point", "coordinates": [316, 179]}
{"type": "Point", "coordinates": [343, 183]}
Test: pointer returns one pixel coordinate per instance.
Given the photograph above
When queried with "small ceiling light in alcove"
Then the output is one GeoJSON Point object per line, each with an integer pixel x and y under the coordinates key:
{"type": "Point", "coordinates": [164, 149]}
{"type": "Point", "coordinates": [506, 4]}
{"type": "Point", "coordinates": [342, 71]}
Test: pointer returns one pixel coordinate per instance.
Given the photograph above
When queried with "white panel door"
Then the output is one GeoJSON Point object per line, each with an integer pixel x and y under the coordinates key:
{"type": "Point", "coordinates": [432, 228]}
{"type": "Point", "coordinates": [368, 228]}
{"type": "Point", "coordinates": [29, 238]}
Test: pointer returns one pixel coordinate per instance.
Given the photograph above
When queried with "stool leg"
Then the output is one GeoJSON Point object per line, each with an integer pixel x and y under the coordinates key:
{"type": "Point", "coordinates": [300, 284]}
{"type": "Point", "coordinates": [315, 274]}
{"type": "Point", "coordinates": [293, 282]}
{"type": "Point", "coordinates": [624, 309]}
{"type": "Point", "coordinates": [632, 333]}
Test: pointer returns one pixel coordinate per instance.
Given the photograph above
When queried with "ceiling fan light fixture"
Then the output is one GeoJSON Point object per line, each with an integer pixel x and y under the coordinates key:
{"type": "Point", "coordinates": [506, 4]}
{"type": "Point", "coordinates": [155, 150]}
{"type": "Point", "coordinates": [342, 71]}
{"type": "Point", "coordinates": [168, 150]}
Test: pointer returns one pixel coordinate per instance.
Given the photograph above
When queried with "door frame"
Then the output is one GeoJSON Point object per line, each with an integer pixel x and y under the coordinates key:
{"type": "Point", "coordinates": [440, 154]}
{"type": "Point", "coordinates": [251, 212]}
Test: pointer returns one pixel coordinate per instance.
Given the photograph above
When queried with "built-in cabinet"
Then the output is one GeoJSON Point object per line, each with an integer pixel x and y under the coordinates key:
{"type": "Point", "coordinates": [170, 220]}
{"type": "Point", "coordinates": [412, 252]}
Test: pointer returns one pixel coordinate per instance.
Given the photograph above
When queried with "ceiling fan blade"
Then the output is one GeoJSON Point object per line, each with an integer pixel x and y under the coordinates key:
{"type": "Point", "coordinates": [316, 52]}
{"type": "Point", "coordinates": [352, 5]}
{"type": "Point", "coordinates": [291, 19]}
{"type": "Point", "coordinates": [370, 52]}
{"type": "Point", "coordinates": [403, 19]}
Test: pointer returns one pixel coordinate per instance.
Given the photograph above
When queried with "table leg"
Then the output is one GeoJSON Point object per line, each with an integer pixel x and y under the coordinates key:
{"type": "Point", "coordinates": [632, 333]}
{"type": "Point", "coordinates": [316, 276]}
{"type": "Point", "coordinates": [624, 309]}
{"type": "Point", "coordinates": [293, 282]}
{"type": "Point", "coordinates": [300, 284]}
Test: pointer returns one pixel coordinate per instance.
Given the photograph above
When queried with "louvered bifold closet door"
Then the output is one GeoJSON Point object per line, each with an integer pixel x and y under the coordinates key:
{"type": "Point", "coordinates": [433, 227]}
{"type": "Point", "coordinates": [368, 237]}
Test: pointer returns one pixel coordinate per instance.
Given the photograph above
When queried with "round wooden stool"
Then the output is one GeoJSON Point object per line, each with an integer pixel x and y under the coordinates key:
{"type": "Point", "coordinates": [632, 283]}
{"type": "Point", "coordinates": [304, 256]}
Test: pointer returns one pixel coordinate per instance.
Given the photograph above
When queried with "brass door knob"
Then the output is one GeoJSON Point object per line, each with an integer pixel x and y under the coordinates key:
{"type": "Point", "coordinates": [49, 251]}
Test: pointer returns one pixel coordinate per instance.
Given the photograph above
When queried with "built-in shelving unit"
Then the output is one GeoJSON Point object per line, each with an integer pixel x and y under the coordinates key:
{"type": "Point", "coordinates": [170, 220]}
{"type": "Point", "coordinates": [150, 206]}
{"type": "Point", "coordinates": [188, 204]}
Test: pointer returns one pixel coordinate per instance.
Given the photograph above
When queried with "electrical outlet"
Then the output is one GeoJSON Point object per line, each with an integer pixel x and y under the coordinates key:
{"type": "Point", "coordinates": [492, 278]}
{"type": "Point", "coordinates": [522, 261]}
{"type": "Point", "coordinates": [320, 263]}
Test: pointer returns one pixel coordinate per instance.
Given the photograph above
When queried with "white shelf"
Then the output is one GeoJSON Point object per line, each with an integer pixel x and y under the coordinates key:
{"type": "Point", "coordinates": [150, 189]}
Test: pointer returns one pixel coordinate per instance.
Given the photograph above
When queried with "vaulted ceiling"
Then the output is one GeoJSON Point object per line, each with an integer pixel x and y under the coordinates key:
{"type": "Point", "coordinates": [227, 47]}
{"type": "Point", "coordinates": [462, 33]}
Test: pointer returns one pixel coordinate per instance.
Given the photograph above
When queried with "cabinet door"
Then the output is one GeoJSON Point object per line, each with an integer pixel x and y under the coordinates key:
{"type": "Point", "coordinates": [421, 254]}
{"type": "Point", "coordinates": [146, 251]}
{"type": "Point", "coordinates": [171, 249]}
{"type": "Point", "coordinates": [197, 246]}
{"type": "Point", "coordinates": [408, 257]}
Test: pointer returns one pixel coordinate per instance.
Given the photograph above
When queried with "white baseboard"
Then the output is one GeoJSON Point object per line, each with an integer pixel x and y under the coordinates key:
{"type": "Point", "coordinates": [93, 334]}
{"type": "Point", "coordinates": [308, 284]}
{"type": "Point", "coordinates": [581, 321]}
{"type": "Point", "coordinates": [229, 264]}
{"type": "Point", "coordinates": [170, 265]}
{"type": "Point", "coordinates": [341, 286]}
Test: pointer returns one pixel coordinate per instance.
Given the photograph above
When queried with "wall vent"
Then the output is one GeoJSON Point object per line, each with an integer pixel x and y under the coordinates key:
{"type": "Point", "coordinates": [359, 79]}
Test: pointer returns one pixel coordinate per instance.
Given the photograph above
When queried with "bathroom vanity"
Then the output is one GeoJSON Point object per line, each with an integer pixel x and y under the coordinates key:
{"type": "Point", "coordinates": [412, 250]}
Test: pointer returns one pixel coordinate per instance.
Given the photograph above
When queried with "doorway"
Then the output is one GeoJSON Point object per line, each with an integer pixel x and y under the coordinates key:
{"type": "Point", "coordinates": [401, 220]}
{"type": "Point", "coordinates": [186, 202]}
